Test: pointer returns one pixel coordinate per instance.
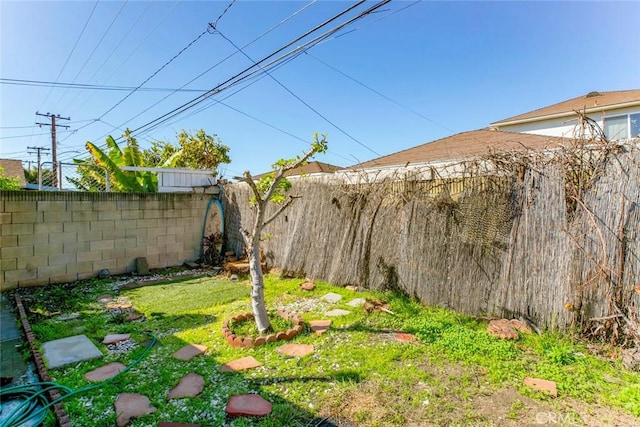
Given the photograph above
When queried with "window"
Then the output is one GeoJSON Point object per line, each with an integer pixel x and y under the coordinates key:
{"type": "Point", "coordinates": [621, 127]}
{"type": "Point", "coordinates": [616, 127]}
{"type": "Point", "coordinates": [634, 122]}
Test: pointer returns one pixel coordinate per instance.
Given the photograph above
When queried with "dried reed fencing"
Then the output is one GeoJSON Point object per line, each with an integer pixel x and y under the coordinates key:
{"type": "Point", "coordinates": [553, 237]}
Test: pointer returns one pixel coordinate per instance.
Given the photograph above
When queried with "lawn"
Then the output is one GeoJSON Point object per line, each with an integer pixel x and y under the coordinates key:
{"type": "Point", "coordinates": [359, 375]}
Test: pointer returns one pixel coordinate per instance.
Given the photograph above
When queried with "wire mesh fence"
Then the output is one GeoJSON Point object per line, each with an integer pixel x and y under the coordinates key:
{"type": "Point", "coordinates": [63, 176]}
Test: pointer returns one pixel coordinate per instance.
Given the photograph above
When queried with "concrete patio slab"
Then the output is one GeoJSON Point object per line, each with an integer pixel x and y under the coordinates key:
{"type": "Point", "coordinates": [69, 350]}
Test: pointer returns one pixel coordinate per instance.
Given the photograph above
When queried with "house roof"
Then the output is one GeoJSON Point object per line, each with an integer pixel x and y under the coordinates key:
{"type": "Point", "coordinates": [309, 168]}
{"type": "Point", "coordinates": [13, 168]}
{"type": "Point", "coordinates": [463, 145]}
{"type": "Point", "coordinates": [591, 102]}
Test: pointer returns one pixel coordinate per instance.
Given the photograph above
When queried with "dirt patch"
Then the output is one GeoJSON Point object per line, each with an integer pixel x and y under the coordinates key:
{"type": "Point", "coordinates": [451, 394]}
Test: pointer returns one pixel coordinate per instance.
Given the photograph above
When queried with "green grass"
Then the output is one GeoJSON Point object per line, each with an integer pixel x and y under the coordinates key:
{"type": "Point", "coordinates": [357, 372]}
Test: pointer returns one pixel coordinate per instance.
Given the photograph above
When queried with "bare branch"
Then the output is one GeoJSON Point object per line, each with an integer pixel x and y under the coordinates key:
{"type": "Point", "coordinates": [280, 210]}
{"type": "Point", "coordinates": [246, 177]}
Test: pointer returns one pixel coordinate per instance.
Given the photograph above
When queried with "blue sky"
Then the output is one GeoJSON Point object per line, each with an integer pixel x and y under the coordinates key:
{"type": "Point", "coordinates": [452, 66]}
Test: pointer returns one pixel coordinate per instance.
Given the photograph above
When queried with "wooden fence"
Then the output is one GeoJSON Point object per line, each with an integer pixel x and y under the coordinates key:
{"type": "Point", "coordinates": [529, 241]}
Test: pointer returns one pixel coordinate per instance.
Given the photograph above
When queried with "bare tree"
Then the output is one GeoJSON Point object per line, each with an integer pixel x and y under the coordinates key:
{"type": "Point", "coordinates": [270, 189]}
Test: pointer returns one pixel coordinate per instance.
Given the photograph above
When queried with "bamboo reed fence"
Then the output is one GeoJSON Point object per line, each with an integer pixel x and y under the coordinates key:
{"type": "Point", "coordinates": [553, 237]}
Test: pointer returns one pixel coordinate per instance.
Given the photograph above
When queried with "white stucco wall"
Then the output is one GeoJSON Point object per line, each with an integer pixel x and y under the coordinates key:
{"type": "Point", "coordinates": [564, 126]}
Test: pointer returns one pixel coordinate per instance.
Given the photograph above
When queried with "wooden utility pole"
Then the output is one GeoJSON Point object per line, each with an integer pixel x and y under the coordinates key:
{"type": "Point", "coordinates": [39, 151]}
{"type": "Point", "coordinates": [54, 143]}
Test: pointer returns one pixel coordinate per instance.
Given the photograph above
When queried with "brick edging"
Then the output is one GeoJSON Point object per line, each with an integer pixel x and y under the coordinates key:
{"type": "Point", "coordinates": [61, 414]}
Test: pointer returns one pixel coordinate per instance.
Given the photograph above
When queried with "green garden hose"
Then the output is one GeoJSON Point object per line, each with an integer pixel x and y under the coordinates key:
{"type": "Point", "coordinates": [35, 403]}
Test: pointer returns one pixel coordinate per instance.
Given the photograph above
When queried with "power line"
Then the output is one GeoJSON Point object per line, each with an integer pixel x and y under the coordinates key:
{"type": "Point", "coordinates": [236, 78]}
{"type": "Point", "coordinates": [223, 12]}
{"type": "Point", "coordinates": [124, 37]}
{"type": "Point", "coordinates": [113, 21]}
{"type": "Point", "coordinates": [155, 73]}
{"type": "Point", "coordinates": [83, 86]}
{"type": "Point", "coordinates": [378, 93]}
{"type": "Point", "coordinates": [72, 50]}
{"type": "Point", "coordinates": [222, 61]}
{"type": "Point", "coordinates": [325, 118]}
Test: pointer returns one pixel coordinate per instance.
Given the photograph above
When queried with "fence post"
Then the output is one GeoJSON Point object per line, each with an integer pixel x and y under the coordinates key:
{"type": "Point", "coordinates": [106, 180]}
{"type": "Point", "coordinates": [60, 175]}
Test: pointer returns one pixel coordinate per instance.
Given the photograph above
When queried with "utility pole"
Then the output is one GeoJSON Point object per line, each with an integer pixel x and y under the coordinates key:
{"type": "Point", "coordinates": [39, 151]}
{"type": "Point", "coordinates": [54, 143]}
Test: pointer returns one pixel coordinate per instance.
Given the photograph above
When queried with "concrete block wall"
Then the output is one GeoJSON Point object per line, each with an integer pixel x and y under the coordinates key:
{"type": "Point", "coordinates": [53, 237]}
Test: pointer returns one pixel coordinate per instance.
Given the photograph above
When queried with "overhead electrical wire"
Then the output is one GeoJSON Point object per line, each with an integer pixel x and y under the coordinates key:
{"type": "Point", "coordinates": [71, 53]}
{"type": "Point", "coordinates": [93, 51]}
{"type": "Point", "coordinates": [353, 79]}
{"type": "Point", "coordinates": [84, 86]}
{"type": "Point", "coordinates": [306, 104]}
{"type": "Point", "coordinates": [242, 75]}
{"type": "Point", "coordinates": [124, 37]}
{"type": "Point", "coordinates": [221, 61]}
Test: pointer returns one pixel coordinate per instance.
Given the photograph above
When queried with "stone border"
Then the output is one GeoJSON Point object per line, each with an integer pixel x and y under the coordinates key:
{"type": "Point", "coordinates": [249, 342]}
{"type": "Point", "coordinates": [59, 411]}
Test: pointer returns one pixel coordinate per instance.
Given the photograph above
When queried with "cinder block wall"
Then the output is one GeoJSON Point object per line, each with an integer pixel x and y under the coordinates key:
{"type": "Point", "coordinates": [51, 237]}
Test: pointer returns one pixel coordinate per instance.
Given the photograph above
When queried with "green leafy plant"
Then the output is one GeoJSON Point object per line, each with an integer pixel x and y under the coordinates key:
{"type": "Point", "coordinates": [8, 182]}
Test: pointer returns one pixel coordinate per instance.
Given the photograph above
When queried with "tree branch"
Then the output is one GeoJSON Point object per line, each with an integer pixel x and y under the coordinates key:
{"type": "Point", "coordinates": [246, 177]}
{"type": "Point", "coordinates": [279, 211]}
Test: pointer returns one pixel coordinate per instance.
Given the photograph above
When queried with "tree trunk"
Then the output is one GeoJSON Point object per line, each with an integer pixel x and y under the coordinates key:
{"type": "Point", "coordinates": [257, 288]}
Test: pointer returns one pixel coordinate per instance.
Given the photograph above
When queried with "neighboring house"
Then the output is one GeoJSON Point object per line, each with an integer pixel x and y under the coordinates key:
{"type": "Point", "coordinates": [444, 154]}
{"type": "Point", "coordinates": [13, 168]}
{"type": "Point", "coordinates": [311, 169]}
{"type": "Point", "coordinates": [617, 113]}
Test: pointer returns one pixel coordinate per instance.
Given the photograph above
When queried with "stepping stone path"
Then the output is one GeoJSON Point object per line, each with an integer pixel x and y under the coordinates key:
{"type": "Point", "coordinates": [331, 297]}
{"type": "Point", "coordinates": [544, 385]}
{"type": "Point", "coordinates": [190, 351]}
{"type": "Point", "coordinates": [320, 326]}
{"type": "Point", "coordinates": [190, 385]}
{"type": "Point", "coordinates": [242, 364]}
{"type": "Point", "coordinates": [104, 372]}
{"type": "Point", "coordinates": [404, 337]}
{"type": "Point", "coordinates": [507, 329]}
{"type": "Point", "coordinates": [133, 316]}
{"type": "Point", "coordinates": [296, 350]}
{"type": "Point", "coordinates": [114, 338]}
{"type": "Point", "coordinates": [337, 312]}
{"type": "Point", "coordinates": [356, 302]}
{"type": "Point", "coordinates": [248, 405]}
{"type": "Point", "coordinates": [131, 405]}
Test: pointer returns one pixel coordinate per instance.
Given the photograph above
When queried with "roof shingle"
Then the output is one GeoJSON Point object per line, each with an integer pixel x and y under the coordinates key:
{"type": "Point", "coordinates": [593, 101]}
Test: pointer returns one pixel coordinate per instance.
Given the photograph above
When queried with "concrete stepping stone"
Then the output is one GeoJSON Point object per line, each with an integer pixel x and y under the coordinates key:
{"type": "Point", "coordinates": [248, 405]}
{"type": "Point", "coordinates": [114, 338]}
{"type": "Point", "coordinates": [331, 297]}
{"type": "Point", "coordinates": [351, 288]}
{"type": "Point", "coordinates": [404, 337]}
{"type": "Point", "coordinates": [104, 299]}
{"type": "Point", "coordinates": [357, 302]}
{"type": "Point", "coordinates": [131, 405]}
{"type": "Point", "coordinates": [190, 351]}
{"type": "Point", "coordinates": [543, 385]}
{"type": "Point", "coordinates": [65, 317]}
{"type": "Point", "coordinates": [190, 385]}
{"type": "Point", "coordinates": [104, 372]}
{"type": "Point", "coordinates": [132, 317]}
{"type": "Point", "coordinates": [296, 350]}
{"type": "Point", "coordinates": [320, 326]}
{"type": "Point", "coordinates": [337, 312]}
{"type": "Point", "coordinates": [69, 350]}
{"type": "Point", "coordinates": [242, 364]}
{"type": "Point", "coordinates": [172, 424]}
